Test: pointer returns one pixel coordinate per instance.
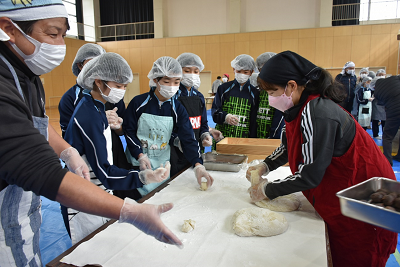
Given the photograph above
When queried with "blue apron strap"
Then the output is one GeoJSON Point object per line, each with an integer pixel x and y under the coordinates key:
{"type": "Point", "coordinates": [14, 74]}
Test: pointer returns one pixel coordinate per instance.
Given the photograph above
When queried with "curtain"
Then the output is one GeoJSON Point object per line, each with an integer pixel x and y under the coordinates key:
{"type": "Point", "coordinates": [350, 15]}
{"type": "Point", "coordinates": [128, 11]}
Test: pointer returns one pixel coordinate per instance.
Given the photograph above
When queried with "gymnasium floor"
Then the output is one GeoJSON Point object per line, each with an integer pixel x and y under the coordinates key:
{"type": "Point", "coordinates": [54, 239]}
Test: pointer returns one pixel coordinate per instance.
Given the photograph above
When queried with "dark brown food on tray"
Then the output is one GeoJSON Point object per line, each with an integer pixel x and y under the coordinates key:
{"type": "Point", "coordinates": [386, 199]}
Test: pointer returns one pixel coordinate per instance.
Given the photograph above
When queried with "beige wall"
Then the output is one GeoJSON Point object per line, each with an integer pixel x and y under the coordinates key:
{"type": "Point", "coordinates": [367, 45]}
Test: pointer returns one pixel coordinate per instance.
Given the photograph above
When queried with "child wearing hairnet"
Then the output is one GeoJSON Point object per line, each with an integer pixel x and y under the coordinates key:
{"type": "Point", "coordinates": [195, 105]}
{"type": "Point", "coordinates": [364, 100]}
{"type": "Point", "coordinates": [269, 119]}
{"type": "Point", "coordinates": [72, 97]}
{"type": "Point", "coordinates": [152, 117]}
{"type": "Point", "coordinates": [364, 72]}
{"type": "Point", "coordinates": [234, 109]}
{"type": "Point", "coordinates": [105, 79]}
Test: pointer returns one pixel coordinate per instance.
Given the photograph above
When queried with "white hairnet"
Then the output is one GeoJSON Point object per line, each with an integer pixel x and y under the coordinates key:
{"type": "Point", "coordinates": [366, 79]}
{"type": "Point", "coordinates": [190, 60]}
{"type": "Point", "coordinates": [85, 52]}
{"type": "Point", "coordinates": [253, 79]}
{"type": "Point", "coordinates": [348, 64]}
{"type": "Point", "coordinates": [165, 66]}
{"type": "Point", "coordinates": [371, 74]}
{"type": "Point", "coordinates": [243, 62]}
{"type": "Point", "coordinates": [106, 67]}
{"type": "Point", "coordinates": [364, 70]}
{"type": "Point", "coordinates": [380, 71]}
{"type": "Point", "coordinates": [373, 82]}
{"type": "Point", "coordinates": [264, 57]}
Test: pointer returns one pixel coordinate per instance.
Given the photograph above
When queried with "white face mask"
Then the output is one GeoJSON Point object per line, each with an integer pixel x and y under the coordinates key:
{"type": "Point", "coordinates": [168, 91]}
{"type": "Point", "coordinates": [224, 79]}
{"type": "Point", "coordinates": [350, 72]}
{"type": "Point", "coordinates": [114, 96]}
{"type": "Point", "coordinates": [380, 77]}
{"type": "Point", "coordinates": [363, 75]}
{"type": "Point", "coordinates": [45, 58]}
{"type": "Point", "coordinates": [191, 80]}
{"type": "Point", "coordinates": [241, 78]}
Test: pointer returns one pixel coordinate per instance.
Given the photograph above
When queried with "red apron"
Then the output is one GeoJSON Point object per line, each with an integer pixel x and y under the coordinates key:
{"type": "Point", "coordinates": [352, 242]}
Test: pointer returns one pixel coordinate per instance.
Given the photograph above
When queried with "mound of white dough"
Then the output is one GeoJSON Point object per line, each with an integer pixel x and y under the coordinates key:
{"type": "Point", "coordinates": [284, 203]}
{"type": "Point", "coordinates": [256, 221]}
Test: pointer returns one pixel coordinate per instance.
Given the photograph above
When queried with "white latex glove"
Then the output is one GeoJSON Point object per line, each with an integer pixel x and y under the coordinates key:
{"type": "Point", "coordinates": [217, 135]}
{"type": "Point", "coordinates": [257, 192]}
{"type": "Point", "coordinates": [177, 143]}
{"type": "Point", "coordinates": [75, 162]}
{"type": "Point", "coordinates": [206, 139]}
{"type": "Point", "coordinates": [146, 218]}
{"type": "Point", "coordinates": [199, 172]}
{"type": "Point", "coordinates": [231, 120]}
{"type": "Point", "coordinates": [144, 162]}
{"type": "Point", "coordinates": [262, 169]}
{"type": "Point", "coordinates": [113, 119]}
{"type": "Point", "coordinates": [149, 176]}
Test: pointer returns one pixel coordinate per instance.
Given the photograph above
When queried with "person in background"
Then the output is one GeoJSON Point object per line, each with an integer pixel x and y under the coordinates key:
{"type": "Point", "coordinates": [378, 113]}
{"type": "Point", "coordinates": [327, 151]}
{"type": "Point", "coordinates": [364, 100]}
{"type": "Point", "coordinates": [348, 79]}
{"type": "Point", "coordinates": [269, 120]}
{"type": "Point", "coordinates": [215, 85]}
{"type": "Point", "coordinates": [31, 44]}
{"type": "Point", "coordinates": [225, 78]}
{"type": "Point", "coordinates": [234, 109]}
{"type": "Point", "coordinates": [381, 74]}
{"type": "Point", "coordinates": [105, 79]}
{"type": "Point", "coordinates": [387, 92]}
{"type": "Point", "coordinates": [153, 117]}
{"type": "Point", "coordinates": [73, 95]}
{"type": "Point", "coordinates": [253, 80]}
{"type": "Point", "coordinates": [363, 73]}
{"type": "Point", "coordinates": [194, 103]}
{"type": "Point", "coordinates": [372, 74]}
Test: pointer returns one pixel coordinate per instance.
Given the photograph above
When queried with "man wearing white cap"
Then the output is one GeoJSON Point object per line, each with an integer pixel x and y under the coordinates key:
{"type": "Point", "coordinates": [32, 43]}
{"type": "Point", "coordinates": [348, 78]}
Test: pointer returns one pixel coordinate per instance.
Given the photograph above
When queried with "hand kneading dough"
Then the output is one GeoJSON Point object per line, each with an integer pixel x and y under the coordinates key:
{"type": "Point", "coordinates": [261, 222]}
{"type": "Point", "coordinates": [284, 203]}
{"type": "Point", "coordinates": [188, 225]}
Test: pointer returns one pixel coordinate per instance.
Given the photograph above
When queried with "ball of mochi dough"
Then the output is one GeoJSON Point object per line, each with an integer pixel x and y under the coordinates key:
{"type": "Point", "coordinates": [283, 203]}
{"type": "Point", "coordinates": [188, 225]}
{"type": "Point", "coordinates": [261, 222]}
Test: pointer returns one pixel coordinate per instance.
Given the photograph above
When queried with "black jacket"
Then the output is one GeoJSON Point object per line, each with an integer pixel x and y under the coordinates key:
{"type": "Point", "coordinates": [26, 158]}
{"type": "Point", "coordinates": [387, 92]}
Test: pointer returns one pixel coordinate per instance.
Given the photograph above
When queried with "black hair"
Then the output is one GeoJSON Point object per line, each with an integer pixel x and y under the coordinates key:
{"type": "Point", "coordinates": [27, 26]}
{"type": "Point", "coordinates": [325, 85]}
{"type": "Point", "coordinates": [218, 77]}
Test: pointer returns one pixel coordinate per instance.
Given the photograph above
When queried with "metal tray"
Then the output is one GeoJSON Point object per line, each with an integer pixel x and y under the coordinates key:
{"type": "Point", "coordinates": [352, 205]}
{"type": "Point", "coordinates": [213, 161]}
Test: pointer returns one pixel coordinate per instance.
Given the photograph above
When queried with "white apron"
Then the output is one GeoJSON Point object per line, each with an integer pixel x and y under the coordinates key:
{"type": "Point", "coordinates": [82, 224]}
{"type": "Point", "coordinates": [365, 111]}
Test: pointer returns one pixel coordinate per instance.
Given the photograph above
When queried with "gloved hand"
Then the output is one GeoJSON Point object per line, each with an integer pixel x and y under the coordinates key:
{"type": "Point", "coordinates": [113, 119]}
{"type": "Point", "coordinates": [199, 172]}
{"type": "Point", "coordinates": [257, 191]}
{"type": "Point", "coordinates": [144, 162]}
{"type": "Point", "coordinates": [206, 139]}
{"type": "Point", "coordinates": [146, 218]}
{"type": "Point", "coordinates": [75, 162]}
{"type": "Point", "coordinates": [262, 169]}
{"type": "Point", "coordinates": [231, 120]}
{"type": "Point", "coordinates": [217, 135]}
{"type": "Point", "coordinates": [149, 176]}
{"type": "Point", "coordinates": [177, 143]}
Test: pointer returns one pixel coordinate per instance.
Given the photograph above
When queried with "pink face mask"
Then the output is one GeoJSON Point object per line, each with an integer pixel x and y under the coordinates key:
{"type": "Point", "coordinates": [282, 102]}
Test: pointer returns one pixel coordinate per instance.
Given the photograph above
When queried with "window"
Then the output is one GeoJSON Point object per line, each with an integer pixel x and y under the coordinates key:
{"type": "Point", "coordinates": [379, 9]}
{"type": "Point", "coordinates": [70, 5]}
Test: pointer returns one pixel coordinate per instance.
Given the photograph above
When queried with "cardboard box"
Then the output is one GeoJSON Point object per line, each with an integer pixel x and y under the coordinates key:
{"type": "Point", "coordinates": [254, 148]}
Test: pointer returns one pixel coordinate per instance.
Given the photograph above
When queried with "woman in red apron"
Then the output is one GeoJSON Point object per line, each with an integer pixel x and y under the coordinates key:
{"type": "Point", "coordinates": [327, 151]}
